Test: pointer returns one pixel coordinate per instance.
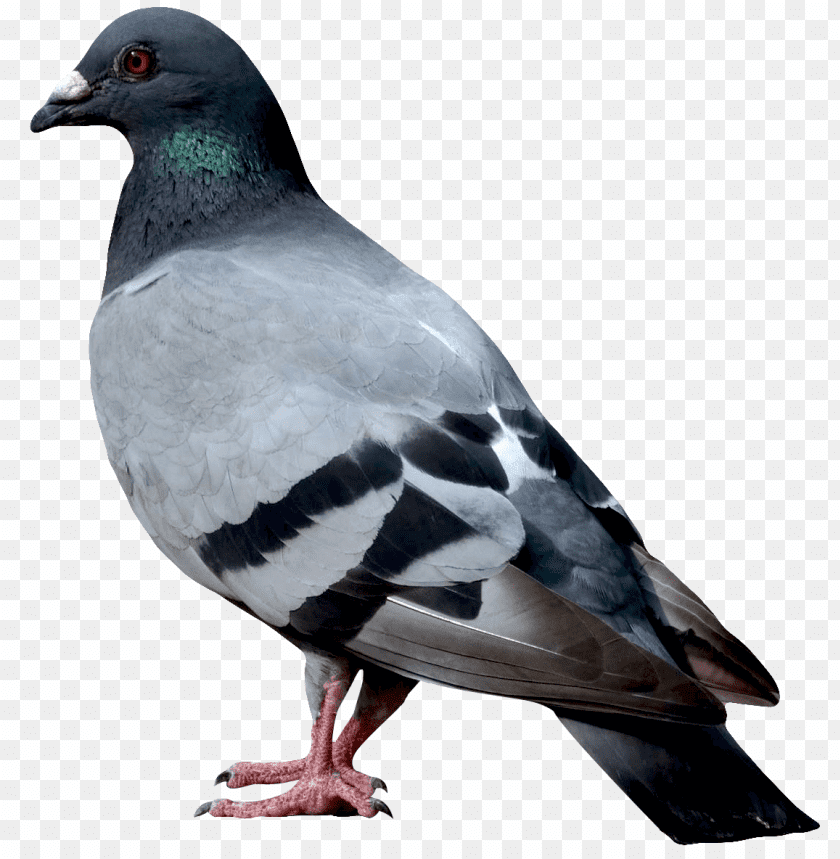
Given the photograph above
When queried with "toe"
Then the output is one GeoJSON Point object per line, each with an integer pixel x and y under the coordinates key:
{"type": "Point", "coordinates": [246, 773]}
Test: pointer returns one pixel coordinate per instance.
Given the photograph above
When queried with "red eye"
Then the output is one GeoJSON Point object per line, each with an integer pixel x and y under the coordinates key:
{"type": "Point", "coordinates": [137, 62]}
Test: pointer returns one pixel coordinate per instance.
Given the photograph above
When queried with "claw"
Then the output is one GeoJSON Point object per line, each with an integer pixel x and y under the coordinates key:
{"type": "Point", "coordinates": [223, 777]}
{"type": "Point", "coordinates": [377, 783]}
{"type": "Point", "coordinates": [378, 805]}
{"type": "Point", "coordinates": [203, 808]}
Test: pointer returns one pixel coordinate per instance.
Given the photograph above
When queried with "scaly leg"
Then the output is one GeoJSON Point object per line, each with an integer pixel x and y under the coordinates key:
{"type": "Point", "coordinates": [382, 694]}
{"type": "Point", "coordinates": [327, 782]}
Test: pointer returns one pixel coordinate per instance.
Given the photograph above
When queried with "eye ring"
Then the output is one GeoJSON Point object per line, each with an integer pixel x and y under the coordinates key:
{"type": "Point", "coordinates": [137, 62]}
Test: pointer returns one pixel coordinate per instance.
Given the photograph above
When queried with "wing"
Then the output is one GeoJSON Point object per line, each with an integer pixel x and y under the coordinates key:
{"type": "Point", "coordinates": [582, 546]}
{"type": "Point", "coordinates": [256, 420]}
{"type": "Point", "coordinates": [326, 462]}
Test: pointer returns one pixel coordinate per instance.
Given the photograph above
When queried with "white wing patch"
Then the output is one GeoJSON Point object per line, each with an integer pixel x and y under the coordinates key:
{"type": "Point", "coordinates": [453, 346]}
{"type": "Point", "coordinates": [518, 466]}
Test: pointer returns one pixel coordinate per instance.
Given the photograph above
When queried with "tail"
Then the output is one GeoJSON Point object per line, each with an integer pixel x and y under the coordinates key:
{"type": "Point", "coordinates": [694, 782]}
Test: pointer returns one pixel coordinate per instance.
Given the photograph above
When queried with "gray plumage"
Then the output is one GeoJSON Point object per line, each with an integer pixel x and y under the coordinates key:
{"type": "Point", "coordinates": [323, 437]}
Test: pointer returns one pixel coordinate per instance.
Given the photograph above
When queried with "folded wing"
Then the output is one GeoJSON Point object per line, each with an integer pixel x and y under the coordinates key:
{"type": "Point", "coordinates": [371, 475]}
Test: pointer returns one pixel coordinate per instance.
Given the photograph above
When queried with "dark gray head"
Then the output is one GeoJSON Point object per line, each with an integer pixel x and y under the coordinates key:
{"type": "Point", "coordinates": [157, 73]}
{"type": "Point", "coordinates": [211, 145]}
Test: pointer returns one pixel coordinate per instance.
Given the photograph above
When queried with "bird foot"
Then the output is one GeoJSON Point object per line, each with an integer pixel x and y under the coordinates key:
{"type": "Point", "coordinates": [246, 773]}
{"type": "Point", "coordinates": [326, 780]}
{"type": "Point", "coordinates": [322, 793]}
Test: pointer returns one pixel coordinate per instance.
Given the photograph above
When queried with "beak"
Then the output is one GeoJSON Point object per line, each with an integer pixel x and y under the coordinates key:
{"type": "Point", "coordinates": [59, 109]}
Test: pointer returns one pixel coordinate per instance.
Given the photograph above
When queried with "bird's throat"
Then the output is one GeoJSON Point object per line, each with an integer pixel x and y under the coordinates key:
{"type": "Point", "coordinates": [192, 187]}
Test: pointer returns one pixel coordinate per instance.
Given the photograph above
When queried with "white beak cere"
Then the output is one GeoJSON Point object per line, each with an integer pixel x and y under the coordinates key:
{"type": "Point", "coordinates": [72, 88]}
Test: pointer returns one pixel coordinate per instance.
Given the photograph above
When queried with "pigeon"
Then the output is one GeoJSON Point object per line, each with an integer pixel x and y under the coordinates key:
{"type": "Point", "coordinates": [324, 438]}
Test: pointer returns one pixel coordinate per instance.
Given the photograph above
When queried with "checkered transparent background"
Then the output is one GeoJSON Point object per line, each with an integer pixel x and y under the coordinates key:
{"type": "Point", "coordinates": [639, 202]}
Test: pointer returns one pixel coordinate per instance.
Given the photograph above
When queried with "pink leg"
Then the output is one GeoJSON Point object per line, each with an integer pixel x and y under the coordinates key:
{"type": "Point", "coordinates": [318, 791]}
{"type": "Point", "coordinates": [381, 695]}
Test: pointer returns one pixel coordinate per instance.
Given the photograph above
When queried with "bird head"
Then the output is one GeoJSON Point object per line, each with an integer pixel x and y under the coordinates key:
{"type": "Point", "coordinates": [174, 84]}
{"type": "Point", "coordinates": [212, 149]}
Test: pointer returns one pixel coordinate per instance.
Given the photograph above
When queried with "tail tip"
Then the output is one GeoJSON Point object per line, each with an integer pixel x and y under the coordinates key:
{"type": "Point", "coordinates": [751, 826]}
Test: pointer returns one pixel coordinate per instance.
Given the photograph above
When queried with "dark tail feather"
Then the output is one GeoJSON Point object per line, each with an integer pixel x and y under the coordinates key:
{"type": "Point", "coordinates": [694, 782]}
